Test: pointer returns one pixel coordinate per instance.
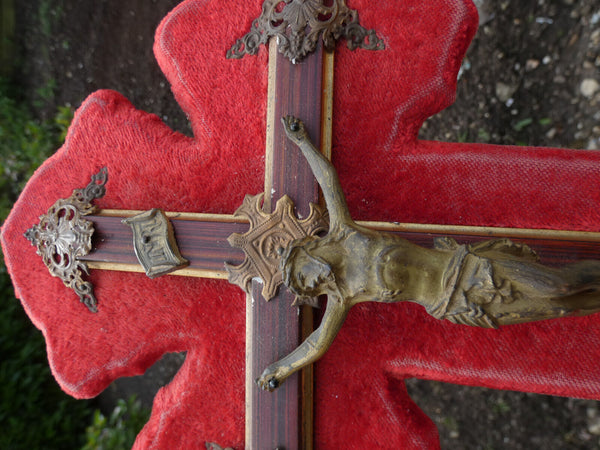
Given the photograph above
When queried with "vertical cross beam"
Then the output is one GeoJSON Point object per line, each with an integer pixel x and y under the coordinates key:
{"type": "Point", "coordinates": [283, 419]}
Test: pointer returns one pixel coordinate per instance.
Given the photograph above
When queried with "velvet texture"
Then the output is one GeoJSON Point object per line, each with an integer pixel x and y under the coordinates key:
{"type": "Point", "coordinates": [381, 100]}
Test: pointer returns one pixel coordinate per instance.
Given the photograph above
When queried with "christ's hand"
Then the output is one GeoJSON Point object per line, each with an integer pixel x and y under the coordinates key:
{"type": "Point", "coordinates": [271, 378]}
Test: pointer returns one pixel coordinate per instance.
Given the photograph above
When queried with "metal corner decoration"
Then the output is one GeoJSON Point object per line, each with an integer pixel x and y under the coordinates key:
{"type": "Point", "coordinates": [267, 239]}
{"type": "Point", "coordinates": [154, 243]}
{"type": "Point", "coordinates": [63, 236]}
{"type": "Point", "coordinates": [298, 25]}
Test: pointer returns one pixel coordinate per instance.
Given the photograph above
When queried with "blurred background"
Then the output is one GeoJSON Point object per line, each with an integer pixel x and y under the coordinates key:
{"type": "Point", "coordinates": [531, 77]}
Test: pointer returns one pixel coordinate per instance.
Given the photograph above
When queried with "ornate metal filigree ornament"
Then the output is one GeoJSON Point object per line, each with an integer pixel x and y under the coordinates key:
{"type": "Point", "coordinates": [63, 236]}
{"type": "Point", "coordinates": [298, 25]}
{"type": "Point", "coordinates": [267, 239]}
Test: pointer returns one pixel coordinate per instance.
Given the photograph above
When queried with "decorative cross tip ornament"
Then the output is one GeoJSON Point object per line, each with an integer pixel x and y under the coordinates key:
{"type": "Point", "coordinates": [265, 242]}
{"type": "Point", "coordinates": [299, 24]}
{"type": "Point", "coordinates": [63, 236]}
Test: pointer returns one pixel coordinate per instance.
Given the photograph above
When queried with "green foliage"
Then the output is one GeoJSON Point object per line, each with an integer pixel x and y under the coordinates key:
{"type": "Point", "coordinates": [62, 121]}
{"type": "Point", "coordinates": [119, 430]}
{"type": "Point", "coordinates": [25, 143]}
{"type": "Point", "coordinates": [501, 407]}
{"type": "Point", "coordinates": [483, 135]}
{"type": "Point", "coordinates": [463, 136]}
{"type": "Point", "coordinates": [45, 93]}
{"type": "Point", "coordinates": [522, 124]}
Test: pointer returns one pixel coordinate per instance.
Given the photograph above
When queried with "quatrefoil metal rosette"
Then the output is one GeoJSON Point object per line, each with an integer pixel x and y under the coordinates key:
{"type": "Point", "coordinates": [63, 236]}
{"type": "Point", "coordinates": [268, 236]}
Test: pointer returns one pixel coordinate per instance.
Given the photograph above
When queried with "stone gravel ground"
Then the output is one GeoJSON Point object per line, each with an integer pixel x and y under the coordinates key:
{"type": "Point", "coordinates": [531, 77]}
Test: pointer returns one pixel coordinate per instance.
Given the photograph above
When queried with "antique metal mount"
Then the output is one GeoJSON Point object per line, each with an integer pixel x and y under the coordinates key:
{"type": "Point", "coordinates": [154, 243]}
{"type": "Point", "coordinates": [299, 24]}
{"type": "Point", "coordinates": [63, 236]}
{"type": "Point", "coordinates": [269, 235]}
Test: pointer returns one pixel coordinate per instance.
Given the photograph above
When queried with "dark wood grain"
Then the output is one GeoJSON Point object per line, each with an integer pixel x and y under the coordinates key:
{"type": "Point", "coordinates": [203, 244]}
{"type": "Point", "coordinates": [277, 418]}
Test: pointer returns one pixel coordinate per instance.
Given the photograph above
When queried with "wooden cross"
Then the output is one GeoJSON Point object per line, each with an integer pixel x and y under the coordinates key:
{"type": "Point", "coordinates": [274, 420]}
{"type": "Point", "coordinates": [262, 421]}
{"type": "Point", "coordinates": [303, 88]}
{"type": "Point", "coordinates": [283, 419]}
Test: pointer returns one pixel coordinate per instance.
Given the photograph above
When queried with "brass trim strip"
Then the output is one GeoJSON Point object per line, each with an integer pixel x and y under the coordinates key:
{"type": "Point", "coordinates": [327, 107]}
{"type": "Point", "coordinates": [248, 379]}
{"type": "Point", "coordinates": [198, 217]}
{"type": "Point", "coordinates": [269, 143]}
{"type": "Point", "coordinates": [521, 233]}
{"type": "Point", "coordinates": [136, 268]}
{"type": "Point", "coordinates": [271, 123]}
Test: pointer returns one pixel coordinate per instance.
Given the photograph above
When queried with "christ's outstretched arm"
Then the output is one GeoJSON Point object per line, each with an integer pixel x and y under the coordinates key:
{"type": "Point", "coordinates": [323, 171]}
{"type": "Point", "coordinates": [310, 350]}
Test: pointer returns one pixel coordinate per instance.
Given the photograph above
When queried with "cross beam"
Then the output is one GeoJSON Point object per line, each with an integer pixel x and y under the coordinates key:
{"type": "Point", "coordinates": [274, 329]}
{"type": "Point", "coordinates": [202, 239]}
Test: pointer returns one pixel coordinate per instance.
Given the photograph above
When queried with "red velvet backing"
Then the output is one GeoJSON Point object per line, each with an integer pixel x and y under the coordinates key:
{"type": "Point", "coordinates": [381, 100]}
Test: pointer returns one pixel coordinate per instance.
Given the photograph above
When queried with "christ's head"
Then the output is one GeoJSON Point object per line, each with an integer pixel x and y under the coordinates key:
{"type": "Point", "coordinates": [304, 273]}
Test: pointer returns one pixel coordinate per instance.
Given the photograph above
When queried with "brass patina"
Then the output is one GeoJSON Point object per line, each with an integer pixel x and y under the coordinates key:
{"type": "Point", "coordinates": [63, 236]}
{"type": "Point", "coordinates": [267, 238]}
{"type": "Point", "coordinates": [154, 243]}
{"type": "Point", "coordinates": [299, 24]}
{"type": "Point", "coordinates": [493, 283]}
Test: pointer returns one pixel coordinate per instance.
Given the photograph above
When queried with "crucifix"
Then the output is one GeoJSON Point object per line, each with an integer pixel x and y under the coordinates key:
{"type": "Point", "coordinates": [181, 221]}
{"type": "Point", "coordinates": [300, 82]}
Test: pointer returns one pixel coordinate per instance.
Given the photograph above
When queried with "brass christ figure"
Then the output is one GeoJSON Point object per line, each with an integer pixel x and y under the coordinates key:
{"type": "Point", "coordinates": [488, 284]}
